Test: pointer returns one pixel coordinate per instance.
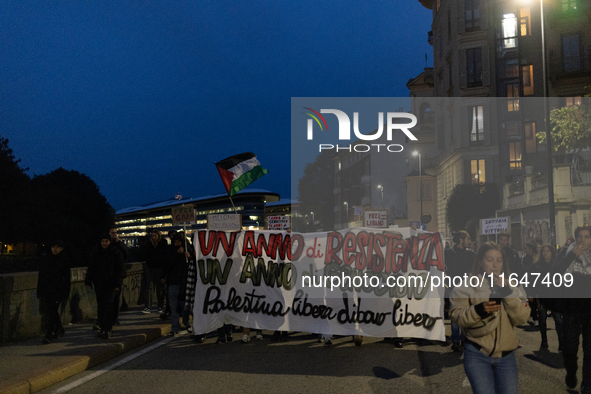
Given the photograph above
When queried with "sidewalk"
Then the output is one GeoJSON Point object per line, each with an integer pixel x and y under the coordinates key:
{"type": "Point", "coordinates": [29, 366]}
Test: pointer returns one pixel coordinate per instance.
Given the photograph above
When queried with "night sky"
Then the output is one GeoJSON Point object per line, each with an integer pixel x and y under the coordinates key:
{"type": "Point", "coordinates": [144, 96]}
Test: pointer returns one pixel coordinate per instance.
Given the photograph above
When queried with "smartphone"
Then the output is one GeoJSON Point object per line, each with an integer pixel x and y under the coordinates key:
{"type": "Point", "coordinates": [496, 300]}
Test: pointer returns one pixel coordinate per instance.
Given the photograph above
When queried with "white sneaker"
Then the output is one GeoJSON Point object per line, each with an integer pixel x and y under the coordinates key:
{"type": "Point", "coordinates": [536, 323]}
{"type": "Point", "coordinates": [259, 336]}
{"type": "Point", "coordinates": [183, 332]}
{"type": "Point", "coordinates": [245, 338]}
{"type": "Point", "coordinates": [146, 310]}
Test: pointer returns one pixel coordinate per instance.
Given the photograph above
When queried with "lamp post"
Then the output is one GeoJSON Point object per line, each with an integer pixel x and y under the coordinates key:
{"type": "Point", "coordinates": [550, 167]}
{"type": "Point", "coordinates": [417, 153]}
{"type": "Point", "coordinates": [346, 212]}
{"type": "Point", "coordinates": [312, 213]}
{"type": "Point", "coordinates": [381, 188]}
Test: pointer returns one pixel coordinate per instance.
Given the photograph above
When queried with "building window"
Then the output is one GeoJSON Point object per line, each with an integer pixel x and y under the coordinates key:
{"type": "Point", "coordinates": [527, 80]}
{"type": "Point", "coordinates": [512, 129]}
{"type": "Point", "coordinates": [511, 68]}
{"type": "Point", "coordinates": [474, 67]}
{"type": "Point", "coordinates": [570, 101]}
{"type": "Point", "coordinates": [472, 8]}
{"type": "Point", "coordinates": [531, 143]}
{"type": "Point", "coordinates": [515, 155]}
{"type": "Point", "coordinates": [476, 125]}
{"type": "Point", "coordinates": [513, 95]}
{"type": "Point", "coordinates": [509, 29]}
{"type": "Point", "coordinates": [477, 173]}
{"type": "Point", "coordinates": [524, 22]}
{"type": "Point", "coordinates": [571, 52]}
{"type": "Point", "coordinates": [569, 5]}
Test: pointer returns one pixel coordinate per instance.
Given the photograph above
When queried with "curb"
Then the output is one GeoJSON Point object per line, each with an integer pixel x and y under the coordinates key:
{"type": "Point", "coordinates": [58, 373]}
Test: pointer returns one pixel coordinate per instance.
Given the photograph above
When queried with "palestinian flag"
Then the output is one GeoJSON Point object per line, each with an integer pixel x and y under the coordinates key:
{"type": "Point", "coordinates": [239, 171]}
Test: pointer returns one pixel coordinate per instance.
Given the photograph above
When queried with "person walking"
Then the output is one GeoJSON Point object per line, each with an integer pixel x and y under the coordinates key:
{"type": "Point", "coordinates": [488, 315]}
{"type": "Point", "coordinates": [154, 252]}
{"type": "Point", "coordinates": [174, 276]}
{"type": "Point", "coordinates": [543, 267]}
{"type": "Point", "coordinates": [105, 274]}
{"type": "Point", "coordinates": [577, 308]}
{"type": "Point", "coordinates": [53, 287]}
{"type": "Point", "coordinates": [120, 246]}
{"type": "Point", "coordinates": [459, 261]}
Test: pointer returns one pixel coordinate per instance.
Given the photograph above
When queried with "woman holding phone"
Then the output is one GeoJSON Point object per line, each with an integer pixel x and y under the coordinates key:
{"type": "Point", "coordinates": [488, 314]}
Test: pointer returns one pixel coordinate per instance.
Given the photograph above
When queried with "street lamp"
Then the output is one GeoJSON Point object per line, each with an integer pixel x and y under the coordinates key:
{"type": "Point", "coordinates": [550, 168]}
{"type": "Point", "coordinates": [381, 188]}
{"type": "Point", "coordinates": [347, 212]}
{"type": "Point", "coordinates": [417, 153]}
{"type": "Point", "coordinates": [312, 213]}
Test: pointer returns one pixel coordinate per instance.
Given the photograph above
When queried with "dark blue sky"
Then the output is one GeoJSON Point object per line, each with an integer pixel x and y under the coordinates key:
{"type": "Point", "coordinates": [144, 96]}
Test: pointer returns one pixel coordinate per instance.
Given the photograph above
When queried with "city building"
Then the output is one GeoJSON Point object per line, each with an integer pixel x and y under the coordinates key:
{"type": "Point", "coordinates": [488, 60]}
{"type": "Point", "coordinates": [134, 222]}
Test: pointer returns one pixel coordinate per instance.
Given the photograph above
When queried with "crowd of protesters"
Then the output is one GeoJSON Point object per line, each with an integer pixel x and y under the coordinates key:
{"type": "Point", "coordinates": [482, 319]}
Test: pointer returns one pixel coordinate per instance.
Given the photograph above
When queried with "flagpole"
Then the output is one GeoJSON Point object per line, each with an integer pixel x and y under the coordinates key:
{"type": "Point", "coordinates": [235, 210]}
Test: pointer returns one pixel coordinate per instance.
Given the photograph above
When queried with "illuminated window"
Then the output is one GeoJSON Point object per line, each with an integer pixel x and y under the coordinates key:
{"type": "Point", "coordinates": [476, 119]}
{"type": "Point", "coordinates": [472, 8]}
{"type": "Point", "coordinates": [509, 28]}
{"type": "Point", "coordinates": [531, 144]}
{"type": "Point", "coordinates": [570, 101]}
{"type": "Point", "coordinates": [477, 173]}
{"type": "Point", "coordinates": [569, 5]}
{"type": "Point", "coordinates": [524, 22]}
{"type": "Point", "coordinates": [513, 95]}
{"type": "Point", "coordinates": [527, 78]}
{"type": "Point", "coordinates": [515, 155]}
{"type": "Point", "coordinates": [253, 217]}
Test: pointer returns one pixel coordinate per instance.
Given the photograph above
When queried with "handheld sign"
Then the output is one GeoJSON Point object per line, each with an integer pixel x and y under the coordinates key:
{"type": "Point", "coordinates": [376, 219]}
{"type": "Point", "coordinates": [280, 222]}
{"type": "Point", "coordinates": [183, 215]}
{"type": "Point", "coordinates": [494, 225]}
{"type": "Point", "coordinates": [224, 222]}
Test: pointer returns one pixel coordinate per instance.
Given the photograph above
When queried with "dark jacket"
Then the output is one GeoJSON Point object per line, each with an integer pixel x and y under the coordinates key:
{"type": "Point", "coordinates": [155, 256]}
{"type": "Point", "coordinates": [122, 249]}
{"type": "Point", "coordinates": [105, 268]}
{"type": "Point", "coordinates": [513, 260]}
{"type": "Point", "coordinates": [54, 277]}
{"type": "Point", "coordinates": [176, 270]}
{"type": "Point", "coordinates": [575, 297]}
{"type": "Point", "coordinates": [459, 261]}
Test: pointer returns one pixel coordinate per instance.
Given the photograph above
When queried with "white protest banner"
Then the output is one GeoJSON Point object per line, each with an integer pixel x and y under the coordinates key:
{"type": "Point", "coordinates": [494, 225]}
{"type": "Point", "coordinates": [376, 219]}
{"type": "Point", "coordinates": [224, 222]}
{"type": "Point", "coordinates": [389, 282]}
{"type": "Point", "coordinates": [183, 214]}
{"type": "Point", "coordinates": [280, 222]}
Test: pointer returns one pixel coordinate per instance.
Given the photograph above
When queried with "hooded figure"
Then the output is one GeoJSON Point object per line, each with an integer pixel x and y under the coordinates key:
{"type": "Point", "coordinates": [53, 287]}
{"type": "Point", "coordinates": [105, 273]}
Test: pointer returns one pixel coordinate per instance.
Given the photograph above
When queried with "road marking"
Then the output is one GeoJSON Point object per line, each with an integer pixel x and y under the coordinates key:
{"type": "Point", "coordinates": [108, 368]}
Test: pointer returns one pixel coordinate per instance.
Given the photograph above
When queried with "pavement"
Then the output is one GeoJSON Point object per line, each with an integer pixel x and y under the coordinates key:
{"type": "Point", "coordinates": [29, 366]}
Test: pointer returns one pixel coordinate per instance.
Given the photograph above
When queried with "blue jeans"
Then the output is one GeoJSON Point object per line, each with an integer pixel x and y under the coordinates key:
{"type": "Point", "coordinates": [456, 334]}
{"type": "Point", "coordinates": [490, 375]}
{"type": "Point", "coordinates": [176, 308]}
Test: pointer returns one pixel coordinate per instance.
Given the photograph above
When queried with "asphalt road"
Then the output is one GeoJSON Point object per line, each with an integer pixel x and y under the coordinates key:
{"type": "Point", "coordinates": [302, 365]}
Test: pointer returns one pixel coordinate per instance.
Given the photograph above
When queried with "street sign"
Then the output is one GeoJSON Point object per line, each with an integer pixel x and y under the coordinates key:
{"type": "Point", "coordinates": [358, 211]}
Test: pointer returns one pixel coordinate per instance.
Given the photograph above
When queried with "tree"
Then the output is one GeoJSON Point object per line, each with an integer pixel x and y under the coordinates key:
{"type": "Point", "coordinates": [571, 127]}
{"type": "Point", "coordinates": [70, 207]}
{"type": "Point", "coordinates": [469, 203]}
{"type": "Point", "coordinates": [315, 190]}
{"type": "Point", "coordinates": [15, 197]}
